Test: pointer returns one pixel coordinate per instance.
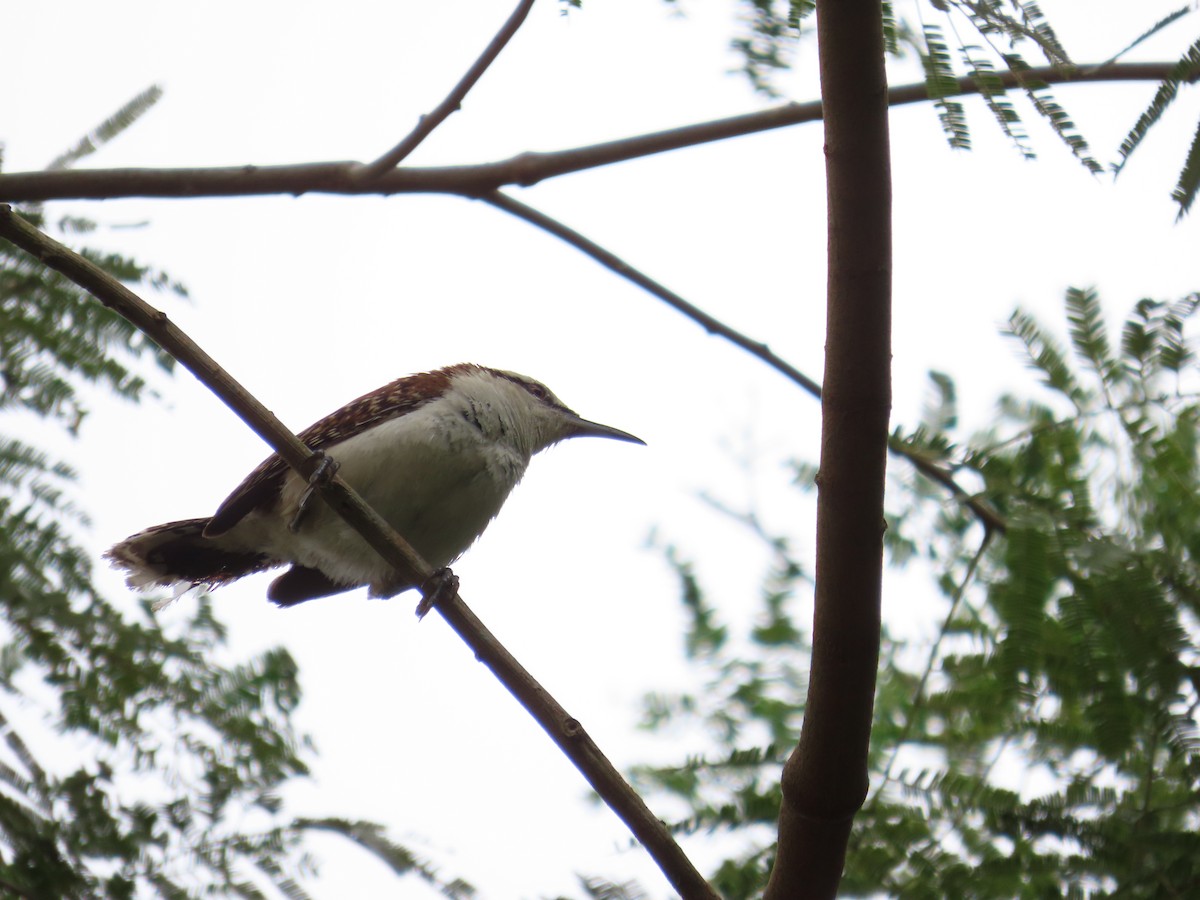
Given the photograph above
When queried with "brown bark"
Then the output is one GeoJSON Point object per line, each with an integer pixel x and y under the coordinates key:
{"type": "Point", "coordinates": [825, 779]}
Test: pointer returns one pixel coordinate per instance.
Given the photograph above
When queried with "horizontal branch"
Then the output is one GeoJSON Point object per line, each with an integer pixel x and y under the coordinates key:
{"type": "Point", "coordinates": [525, 169]}
{"type": "Point", "coordinates": [562, 728]}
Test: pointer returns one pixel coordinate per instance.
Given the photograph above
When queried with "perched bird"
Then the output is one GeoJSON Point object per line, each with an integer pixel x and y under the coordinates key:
{"type": "Point", "coordinates": [436, 454]}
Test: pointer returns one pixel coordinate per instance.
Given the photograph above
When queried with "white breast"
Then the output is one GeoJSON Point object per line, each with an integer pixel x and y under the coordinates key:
{"type": "Point", "coordinates": [432, 474]}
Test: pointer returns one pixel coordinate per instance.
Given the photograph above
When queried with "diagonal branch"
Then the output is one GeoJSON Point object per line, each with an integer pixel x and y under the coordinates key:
{"type": "Point", "coordinates": [625, 270]}
{"type": "Point", "coordinates": [453, 101]}
{"type": "Point", "coordinates": [474, 180]}
{"type": "Point", "coordinates": [919, 695]}
{"type": "Point", "coordinates": [563, 729]}
{"type": "Point", "coordinates": [991, 520]}
{"type": "Point", "coordinates": [988, 516]}
{"type": "Point", "coordinates": [262, 421]}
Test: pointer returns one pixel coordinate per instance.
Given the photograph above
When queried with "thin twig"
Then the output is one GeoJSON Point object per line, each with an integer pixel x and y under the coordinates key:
{"type": "Point", "coordinates": [990, 518]}
{"type": "Point", "coordinates": [453, 101]}
{"type": "Point", "coordinates": [919, 694]}
{"type": "Point", "coordinates": [564, 730]}
{"type": "Point", "coordinates": [613, 262]}
{"type": "Point", "coordinates": [523, 169]}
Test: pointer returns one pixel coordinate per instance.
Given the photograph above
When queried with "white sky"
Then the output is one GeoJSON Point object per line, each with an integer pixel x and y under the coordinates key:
{"type": "Point", "coordinates": [313, 301]}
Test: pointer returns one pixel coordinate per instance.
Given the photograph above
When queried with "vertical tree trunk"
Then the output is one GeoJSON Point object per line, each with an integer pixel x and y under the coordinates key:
{"type": "Point", "coordinates": [825, 779]}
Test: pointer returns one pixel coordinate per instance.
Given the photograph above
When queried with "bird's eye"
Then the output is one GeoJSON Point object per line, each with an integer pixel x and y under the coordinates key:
{"type": "Point", "coordinates": [538, 391]}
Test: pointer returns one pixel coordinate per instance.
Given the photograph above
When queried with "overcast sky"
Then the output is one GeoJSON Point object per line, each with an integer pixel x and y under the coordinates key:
{"type": "Point", "coordinates": [312, 301]}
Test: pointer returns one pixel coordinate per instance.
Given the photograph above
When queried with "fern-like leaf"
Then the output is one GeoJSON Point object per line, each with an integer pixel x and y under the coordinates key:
{"type": "Point", "coordinates": [1089, 336]}
{"type": "Point", "coordinates": [602, 889]}
{"type": "Point", "coordinates": [1153, 340]}
{"type": "Point", "coordinates": [891, 29]}
{"type": "Point", "coordinates": [1049, 109]}
{"type": "Point", "coordinates": [1189, 177]}
{"type": "Point", "coordinates": [993, 92]}
{"type": "Point", "coordinates": [767, 45]}
{"type": "Point", "coordinates": [108, 129]}
{"type": "Point", "coordinates": [1139, 337]}
{"type": "Point", "coordinates": [941, 412]}
{"type": "Point", "coordinates": [1147, 34]}
{"type": "Point", "coordinates": [1186, 70]}
{"type": "Point", "coordinates": [941, 84]}
{"type": "Point", "coordinates": [1038, 29]}
{"type": "Point", "coordinates": [1175, 353]}
{"type": "Point", "coordinates": [286, 885]}
{"type": "Point", "coordinates": [1044, 354]}
{"type": "Point", "coordinates": [990, 18]}
{"type": "Point", "coordinates": [400, 859]}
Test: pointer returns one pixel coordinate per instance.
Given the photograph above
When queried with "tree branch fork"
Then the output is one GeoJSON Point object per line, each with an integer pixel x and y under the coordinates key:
{"type": "Point", "coordinates": [525, 169]}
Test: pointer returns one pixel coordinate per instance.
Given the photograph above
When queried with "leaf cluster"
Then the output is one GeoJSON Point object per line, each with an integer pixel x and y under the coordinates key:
{"type": "Point", "coordinates": [1045, 742]}
{"type": "Point", "coordinates": [749, 706]}
{"type": "Point", "coordinates": [1186, 71]}
{"type": "Point", "coordinates": [161, 770]}
{"type": "Point", "coordinates": [976, 39]}
{"type": "Point", "coordinates": [176, 744]}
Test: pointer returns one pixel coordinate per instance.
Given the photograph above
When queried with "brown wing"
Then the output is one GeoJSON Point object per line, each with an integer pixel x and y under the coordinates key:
{"type": "Point", "coordinates": [262, 486]}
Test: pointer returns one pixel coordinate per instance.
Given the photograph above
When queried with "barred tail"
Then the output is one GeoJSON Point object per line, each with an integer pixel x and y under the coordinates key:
{"type": "Point", "coordinates": [177, 553]}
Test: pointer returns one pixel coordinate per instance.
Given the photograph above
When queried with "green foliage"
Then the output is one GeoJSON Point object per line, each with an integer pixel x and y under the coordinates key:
{"type": "Point", "coordinates": [1029, 23]}
{"type": "Point", "coordinates": [769, 32]}
{"type": "Point", "coordinates": [1189, 177]}
{"type": "Point", "coordinates": [750, 705]}
{"type": "Point", "coordinates": [766, 43]}
{"type": "Point", "coordinates": [984, 75]}
{"type": "Point", "coordinates": [53, 334]}
{"type": "Point", "coordinates": [1186, 71]}
{"type": "Point", "coordinates": [942, 84]}
{"type": "Point", "coordinates": [400, 859]}
{"type": "Point", "coordinates": [109, 128]}
{"type": "Point", "coordinates": [1045, 742]}
{"type": "Point", "coordinates": [158, 761]}
{"type": "Point", "coordinates": [1154, 29]}
{"type": "Point", "coordinates": [993, 23]}
{"type": "Point", "coordinates": [1049, 109]}
{"type": "Point", "coordinates": [175, 746]}
{"type": "Point", "coordinates": [600, 889]}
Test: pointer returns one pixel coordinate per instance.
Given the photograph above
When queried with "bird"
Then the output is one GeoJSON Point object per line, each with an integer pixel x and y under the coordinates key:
{"type": "Point", "coordinates": [436, 454]}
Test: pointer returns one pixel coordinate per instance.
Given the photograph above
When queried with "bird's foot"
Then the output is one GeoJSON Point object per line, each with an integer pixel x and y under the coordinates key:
{"type": "Point", "coordinates": [324, 470]}
{"type": "Point", "coordinates": [441, 585]}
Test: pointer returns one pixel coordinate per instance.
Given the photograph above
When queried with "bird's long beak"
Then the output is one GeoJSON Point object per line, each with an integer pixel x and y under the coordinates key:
{"type": "Point", "coordinates": [584, 428]}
